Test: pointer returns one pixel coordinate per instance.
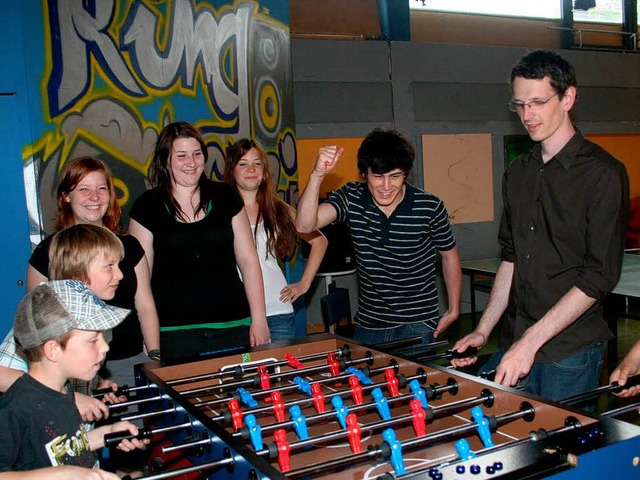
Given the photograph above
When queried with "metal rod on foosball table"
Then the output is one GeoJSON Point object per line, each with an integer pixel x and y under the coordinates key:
{"type": "Point", "coordinates": [316, 418]}
{"type": "Point", "coordinates": [189, 444]}
{"type": "Point", "coordinates": [239, 371]}
{"type": "Point", "coordinates": [527, 412]}
{"type": "Point", "coordinates": [431, 412]}
{"type": "Point", "coordinates": [432, 391]}
{"type": "Point", "coordinates": [449, 354]}
{"type": "Point", "coordinates": [269, 453]}
{"type": "Point", "coordinates": [113, 439]}
{"type": "Point", "coordinates": [124, 390]}
{"type": "Point", "coordinates": [286, 388]}
{"type": "Point", "coordinates": [401, 343]}
{"type": "Point", "coordinates": [157, 413]}
{"type": "Point", "coordinates": [421, 376]}
{"type": "Point", "coordinates": [225, 462]}
{"type": "Point", "coordinates": [622, 410]}
{"type": "Point", "coordinates": [255, 380]}
{"type": "Point", "coordinates": [613, 388]}
{"type": "Point", "coordinates": [571, 423]}
{"type": "Point", "coordinates": [300, 444]}
{"type": "Point", "coordinates": [486, 398]}
{"type": "Point", "coordinates": [341, 434]}
{"type": "Point", "coordinates": [411, 349]}
{"type": "Point", "coordinates": [130, 403]}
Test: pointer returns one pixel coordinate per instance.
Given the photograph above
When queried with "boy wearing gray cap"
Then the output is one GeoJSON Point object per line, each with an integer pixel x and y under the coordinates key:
{"type": "Point", "coordinates": [59, 326]}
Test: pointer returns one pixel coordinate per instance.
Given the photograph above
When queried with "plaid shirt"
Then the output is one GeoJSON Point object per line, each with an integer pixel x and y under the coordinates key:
{"type": "Point", "coordinates": [9, 356]}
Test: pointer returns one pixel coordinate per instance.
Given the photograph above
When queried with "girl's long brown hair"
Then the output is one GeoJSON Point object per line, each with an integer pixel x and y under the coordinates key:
{"type": "Point", "coordinates": [282, 237]}
{"type": "Point", "coordinates": [161, 176]}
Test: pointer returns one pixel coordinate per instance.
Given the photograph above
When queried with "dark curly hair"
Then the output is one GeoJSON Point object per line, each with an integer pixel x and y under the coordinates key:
{"type": "Point", "coordinates": [545, 63]}
{"type": "Point", "coordinates": [385, 150]}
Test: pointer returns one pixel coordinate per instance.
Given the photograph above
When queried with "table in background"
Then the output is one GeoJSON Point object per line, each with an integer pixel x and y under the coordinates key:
{"type": "Point", "coordinates": [628, 287]}
{"type": "Point", "coordinates": [328, 277]}
{"type": "Point", "coordinates": [486, 268]}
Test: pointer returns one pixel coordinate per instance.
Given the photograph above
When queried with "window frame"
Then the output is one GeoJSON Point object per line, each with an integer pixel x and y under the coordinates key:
{"type": "Point", "coordinates": [573, 31]}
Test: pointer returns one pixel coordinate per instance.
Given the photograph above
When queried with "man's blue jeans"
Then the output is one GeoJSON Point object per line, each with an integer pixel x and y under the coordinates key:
{"type": "Point", "coordinates": [372, 337]}
{"type": "Point", "coordinates": [570, 376]}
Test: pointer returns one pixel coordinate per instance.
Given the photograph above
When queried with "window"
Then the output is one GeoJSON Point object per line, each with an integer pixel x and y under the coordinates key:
{"type": "Point", "coordinates": [605, 11]}
{"type": "Point", "coordinates": [548, 9]}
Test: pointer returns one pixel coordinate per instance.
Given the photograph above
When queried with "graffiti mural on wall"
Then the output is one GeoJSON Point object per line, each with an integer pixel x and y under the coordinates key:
{"type": "Point", "coordinates": [116, 71]}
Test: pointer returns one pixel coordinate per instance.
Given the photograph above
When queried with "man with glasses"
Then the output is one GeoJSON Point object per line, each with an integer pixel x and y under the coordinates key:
{"type": "Point", "coordinates": [566, 208]}
{"type": "Point", "coordinates": [397, 230]}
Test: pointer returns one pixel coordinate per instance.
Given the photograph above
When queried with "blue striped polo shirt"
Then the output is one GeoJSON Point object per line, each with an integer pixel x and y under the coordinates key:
{"type": "Point", "coordinates": [395, 256]}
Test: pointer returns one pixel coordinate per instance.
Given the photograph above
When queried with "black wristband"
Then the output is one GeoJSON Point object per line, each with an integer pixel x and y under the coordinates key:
{"type": "Point", "coordinates": [154, 354]}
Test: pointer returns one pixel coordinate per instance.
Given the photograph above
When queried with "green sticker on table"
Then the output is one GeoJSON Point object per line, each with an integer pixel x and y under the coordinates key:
{"type": "Point", "coordinates": [246, 357]}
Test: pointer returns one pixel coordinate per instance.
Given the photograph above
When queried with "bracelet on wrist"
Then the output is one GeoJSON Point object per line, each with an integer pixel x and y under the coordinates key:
{"type": "Point", "coordinates": [322, 173]}
{"type": "Point", "coordinates": [154, 354]}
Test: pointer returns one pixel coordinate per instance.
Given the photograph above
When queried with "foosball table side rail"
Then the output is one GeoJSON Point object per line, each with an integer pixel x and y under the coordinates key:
{"type": "Point", "coordinates": [212, 443]}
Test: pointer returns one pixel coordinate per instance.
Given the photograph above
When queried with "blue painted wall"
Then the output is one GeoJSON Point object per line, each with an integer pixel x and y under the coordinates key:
{"type": "Point", "coordinates": [14, 133]}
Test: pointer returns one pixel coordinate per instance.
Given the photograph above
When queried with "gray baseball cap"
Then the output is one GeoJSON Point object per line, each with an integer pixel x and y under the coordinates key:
{"type": "Point", "coordinates": [53, 309]}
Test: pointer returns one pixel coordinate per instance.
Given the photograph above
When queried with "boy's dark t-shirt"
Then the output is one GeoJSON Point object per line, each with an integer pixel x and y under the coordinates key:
{"type": "Point", "coordinates": [41, 428]}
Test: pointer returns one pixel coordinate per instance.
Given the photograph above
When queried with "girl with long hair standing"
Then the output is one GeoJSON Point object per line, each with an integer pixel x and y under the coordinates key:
{"type": "Point", "coordinates": [274, 232]}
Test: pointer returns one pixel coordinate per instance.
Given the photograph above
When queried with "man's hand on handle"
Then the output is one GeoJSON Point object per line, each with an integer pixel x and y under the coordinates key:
{"type": "Point", "coordinates": [474, 339]}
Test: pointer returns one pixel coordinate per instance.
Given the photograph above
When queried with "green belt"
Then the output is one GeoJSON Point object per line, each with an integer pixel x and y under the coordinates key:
{"type": "Point", "coordinates": [243, 322]}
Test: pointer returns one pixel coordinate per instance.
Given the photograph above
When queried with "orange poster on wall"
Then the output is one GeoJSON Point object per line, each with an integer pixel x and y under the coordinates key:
{"type": "Point", "coordinates": [626, 148]}
{"type": "Point", "coordinates": [345, 171]}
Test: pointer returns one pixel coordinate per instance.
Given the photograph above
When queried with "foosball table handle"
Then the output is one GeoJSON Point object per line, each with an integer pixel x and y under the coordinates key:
{"type": "Point", "coordinates": [113, 439]}
{"type": "Point", "coordinates": [469, 352]}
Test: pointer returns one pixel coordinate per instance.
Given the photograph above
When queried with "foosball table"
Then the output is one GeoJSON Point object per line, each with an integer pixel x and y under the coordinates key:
{"type": "Point", "coordinates": [327, 407]}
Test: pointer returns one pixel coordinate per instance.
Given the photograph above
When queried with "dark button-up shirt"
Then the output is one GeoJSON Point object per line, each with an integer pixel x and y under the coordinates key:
{"type": "Point", "coordinates": [563, 226]}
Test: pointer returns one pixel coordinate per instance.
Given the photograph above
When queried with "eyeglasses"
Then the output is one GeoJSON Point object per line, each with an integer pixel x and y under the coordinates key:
{"type": "Point", "coordinates": [518, 107]}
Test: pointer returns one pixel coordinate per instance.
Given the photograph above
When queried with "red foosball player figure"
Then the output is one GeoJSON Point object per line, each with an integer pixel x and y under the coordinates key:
{"type": "Point", "coordinates": [354, 433]}
{"type": "Point", "coordinates": [284, 449]}
{"type": "Point", "coordinates": [334, 366]}
{"type": "Point", "coordinates": [236, 414]}
{"type": "Point", "coordinates": [265, 380]}
{"type": "Point", "coordinates": [293, 361]}
{"type": "Point", "coordinates": [318, 397]}
{"type": "Point", "coordinates": [417, 412]}
{"type": "Point", "coordinates": [392, 382]}
{"type": "Point", "coordinates": [278, 406]}
{"type": "Point", "coordinates": [356, 390]}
